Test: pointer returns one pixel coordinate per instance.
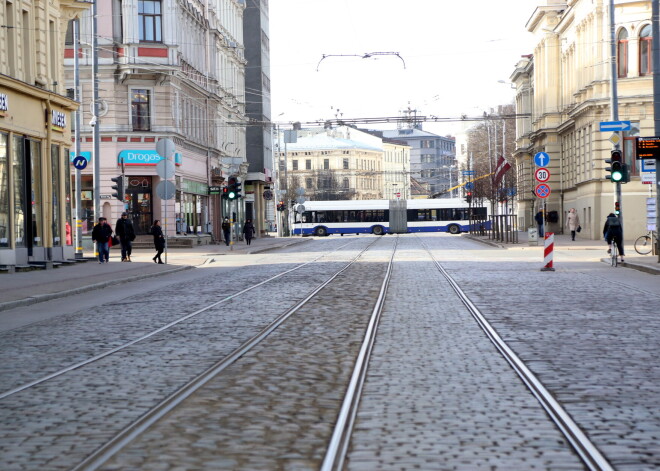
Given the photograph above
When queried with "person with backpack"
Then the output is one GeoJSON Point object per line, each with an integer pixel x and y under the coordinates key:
{"type": "Point", "coordinates": [613, 231]}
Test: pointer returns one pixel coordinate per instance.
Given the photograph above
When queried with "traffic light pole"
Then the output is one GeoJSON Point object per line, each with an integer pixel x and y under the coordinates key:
{"type": "Point", "coordinates": [614, 100]}
{"type": "Point", "coordinates": [655, 48]}
{"type": "Point", "coordinates": [76, 91]}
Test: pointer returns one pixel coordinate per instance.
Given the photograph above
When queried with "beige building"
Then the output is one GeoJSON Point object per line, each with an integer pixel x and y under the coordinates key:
{"type": "Point", "coordinates": [36, 220]}
{"type": "Point", "coordinates": [347, 163]}
{"type": "Point", "coordinates": [564, 93]}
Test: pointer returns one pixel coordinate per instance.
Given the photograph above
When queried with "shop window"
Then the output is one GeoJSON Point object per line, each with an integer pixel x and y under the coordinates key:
{"type": "Point", "coordinates": [37, 199]}
{"type": "Point", "coordinates": [4, 192]}
{"type": "Point", "coordinates": [18, 177]}
{"type": "Point", "coordinates": [68, 212]}
{"type": "Point", "coordinates": [55, 169]}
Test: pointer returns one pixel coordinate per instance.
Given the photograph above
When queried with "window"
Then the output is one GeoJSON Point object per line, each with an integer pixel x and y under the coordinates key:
{"type": "Point", "coordinates": [295, 164]}
{"type": "Point", "coordinates": [68, 213]}
{"type": "Point", "coordinates": [308, 183]}
{"type": "Point", "coordinates": [345, 164]}
{"type": "Point", "coordinates": [427, 144]}
{"type": "Point", "coordinates": [645, 63]}
{"type": "Point", "coordinates": [326, 164]}
{"type": "Point", "coordinates": [346, 183]}
{"type": "Point", "coordinates": [140, 110]}
{"type": "Point", "coordinates": [55, 168]}
{"type": "Point", "coordinates": [308, 164]}
{"type": "Point", "coordinates": [37, 200]}
{"type": "Point", "coordinates": [20, 208]}
{"type": "Point", "coordinates": [622, 53]}
{"type": "Point", "coordinates": [150, 21]}
{"type": "Point", "coordinates": [4, 192]}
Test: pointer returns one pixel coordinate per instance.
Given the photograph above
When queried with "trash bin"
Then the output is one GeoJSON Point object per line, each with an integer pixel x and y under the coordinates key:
{"type": "Point", "coordinates": [533, 236]}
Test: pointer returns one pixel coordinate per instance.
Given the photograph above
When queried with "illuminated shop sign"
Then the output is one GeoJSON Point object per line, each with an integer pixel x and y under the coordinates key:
{"type": "Point", "coordinates": [143, 157]}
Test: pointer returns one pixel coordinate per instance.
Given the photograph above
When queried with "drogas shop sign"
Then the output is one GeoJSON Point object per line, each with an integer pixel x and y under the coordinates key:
{"type": "Point", "coordinates": [143, 157]}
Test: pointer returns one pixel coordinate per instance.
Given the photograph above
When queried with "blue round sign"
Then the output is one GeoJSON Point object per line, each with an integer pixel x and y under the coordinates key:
{"type": "Point", "coordinates": [80, 162]}
{"type": "Point", "coordinates": [541, 159]}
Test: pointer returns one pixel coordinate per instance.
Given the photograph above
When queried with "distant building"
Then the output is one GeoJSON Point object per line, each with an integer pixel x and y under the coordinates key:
{"type": "Point", "coordinates": [432, 157]}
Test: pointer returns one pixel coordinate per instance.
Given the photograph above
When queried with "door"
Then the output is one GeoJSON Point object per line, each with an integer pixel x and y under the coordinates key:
{"type": "Point", "coordinates": [140, 204]}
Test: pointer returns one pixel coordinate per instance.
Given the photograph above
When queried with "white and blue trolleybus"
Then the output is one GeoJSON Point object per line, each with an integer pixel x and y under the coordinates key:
{"type": "Point", "coordinates": [322, 218]}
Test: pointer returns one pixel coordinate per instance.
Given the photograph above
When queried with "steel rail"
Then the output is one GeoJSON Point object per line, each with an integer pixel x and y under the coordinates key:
{"type": "Point", "coordinates": [338, 446]}
{"type": "Point", "coordinates": [156, 331]}
{"type": "Point", "coordinates": [588, 452]}
{"type": "Point", "coordinates": [105, 452]}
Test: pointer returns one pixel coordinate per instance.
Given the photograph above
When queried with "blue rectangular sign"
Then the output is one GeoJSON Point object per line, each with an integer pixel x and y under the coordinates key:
{"type": "Point", "coordinates": [615, 126]}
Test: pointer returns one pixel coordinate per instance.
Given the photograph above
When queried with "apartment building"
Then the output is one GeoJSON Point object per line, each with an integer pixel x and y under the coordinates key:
{"type": "Point", "coordinates": [172, 70]}
{"type": "Point", "coordinates": [36, 219]}
{"type": "Point", "coordinates": [564, 92]}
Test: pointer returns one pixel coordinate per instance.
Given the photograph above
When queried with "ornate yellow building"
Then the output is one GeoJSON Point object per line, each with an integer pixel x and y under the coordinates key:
{"type": "Point", "coordinates": [36, 220]}
{"type": "Point", "coordinates": [564, 93]}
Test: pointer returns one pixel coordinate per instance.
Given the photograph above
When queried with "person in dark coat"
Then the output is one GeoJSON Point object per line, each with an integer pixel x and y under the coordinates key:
{"type": "Point", "coordinates": [226, 230]}
{"type": "Point", "coordinates": [124, 229]}
{"type": "Point", "coordinates": [613, 231]}
{"type": "Point", "coordinates": [248, 231]}
{"type": "Point", "coordinates": [159, 240]}
{"type": "Point", "coordinates": [101, 234]}
{"type": "Point", "coordinates": [539, 222]}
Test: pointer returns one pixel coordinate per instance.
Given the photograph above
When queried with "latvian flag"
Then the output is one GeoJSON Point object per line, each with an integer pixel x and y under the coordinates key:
{"type": "Point", "coordinates": [502, 167]}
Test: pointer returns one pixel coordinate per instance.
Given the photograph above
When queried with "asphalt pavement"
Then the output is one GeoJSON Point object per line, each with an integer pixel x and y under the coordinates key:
{"type": "Point", "coordinates": [25, 288]}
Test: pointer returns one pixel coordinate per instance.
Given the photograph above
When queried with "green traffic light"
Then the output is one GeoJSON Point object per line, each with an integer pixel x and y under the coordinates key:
{"type": "Point", "coordinates": [231, 195]}
{"type": "Point", "coordinates": [617, 176]}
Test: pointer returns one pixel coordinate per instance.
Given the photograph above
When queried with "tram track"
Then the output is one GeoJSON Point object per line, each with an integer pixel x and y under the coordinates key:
{"type": "Point", "coordinates": [159, 330]}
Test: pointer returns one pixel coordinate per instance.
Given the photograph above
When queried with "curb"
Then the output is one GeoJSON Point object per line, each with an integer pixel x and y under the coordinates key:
{"type": "Point", "coordinates": [62, 294]}
{"type": "Point", "coordinates": [635, 266]}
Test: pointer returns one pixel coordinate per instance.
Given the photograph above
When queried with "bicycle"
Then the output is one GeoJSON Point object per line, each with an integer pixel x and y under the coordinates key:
{"type": "Point", "coordinates": [644, 243]}
{"type": "Point", "coordinates": [614, 253]}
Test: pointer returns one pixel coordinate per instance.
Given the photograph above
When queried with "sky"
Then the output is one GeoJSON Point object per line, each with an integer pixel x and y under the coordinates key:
{"type": "Point", "coordinates": [452, 55]}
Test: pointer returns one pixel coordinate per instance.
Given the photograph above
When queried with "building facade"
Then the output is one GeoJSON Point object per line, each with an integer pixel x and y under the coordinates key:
{"type": "Point", "coordinates": [167, 69]}
{"type": "Point", "coordinates": [260, 189]}
{"type": "Point", "coordinates": [564, 92]}
{"type": "Point", "coordinates": [36, 219]}
{"type": "Point", "coordinates": [432, 157]}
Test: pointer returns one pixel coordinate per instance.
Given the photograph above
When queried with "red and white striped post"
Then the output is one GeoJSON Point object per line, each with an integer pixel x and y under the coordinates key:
{"type": "Point", "coordinates": [548, 251]}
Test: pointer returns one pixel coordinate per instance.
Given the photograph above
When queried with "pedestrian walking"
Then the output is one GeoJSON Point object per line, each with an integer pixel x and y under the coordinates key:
{"type": "Point", "coordinates": [101, 234]}
{"type": "Point", "coordinates": [226, 230]}
{"type": "Point", "coordinates": [539, 222]}
{"type": "Point", "coordinates": [612, 231]}
{"type": "Point", "coordinates": [248, 231]}
{"type": "Point", "coordinates": [126, 233]}
{"type": "Point", "coordinates": [573, 222]}
{"type": "Point", "coordinates": [159, 241]}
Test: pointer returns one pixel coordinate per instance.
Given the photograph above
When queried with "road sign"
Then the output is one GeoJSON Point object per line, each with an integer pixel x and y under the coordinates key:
{"type": "Point", "coordinates": [165, 190]}
{"type": "Point", "coordinates": [268, 195]}
{"type": "Point", "coordinates": [614, 138]}
{"type": "Point", "coordinates": [615, 126]}
{"type": "Point", "coordinates": [542, 190]}
{"type": "Point", "coordinates": [648, 165]}
{"type": "Point", "coordinates": [300, 199]}
{"type": "Point", "coordinates": [469, 172]}
{"type": "Point", "coordinates": [300, 209]}
{"type": "Point", "coordinates": [541, 159]}
{"type": "Point", "coordinates": [80, 162]}
{"type": "Point", "coordinates": [165, 169]}
{"type": "Point", "coordinates": [300, 191]}
{"type": "Point", "coordinates": [165, 148]}
{"type": "Point", "coordinates": [398, 194]}
{"type": "Point", "coordinates": [542, 174]}
{"type": "Point", "coordinates": [469, 186]}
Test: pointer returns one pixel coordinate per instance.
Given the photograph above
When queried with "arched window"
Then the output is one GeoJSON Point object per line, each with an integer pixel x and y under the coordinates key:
{"type": "Point", "coordinates": [645, 38]}
{"type": "Point", "coordinates": [622, 53]}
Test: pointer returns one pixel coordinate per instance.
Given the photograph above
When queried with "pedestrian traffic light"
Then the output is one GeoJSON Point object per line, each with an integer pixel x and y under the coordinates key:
{"type": "Point", "coordinates": [231, 186]}
{"type": "Point", "coordinates": [468, 196]}
{"type": "Point", "coordinates": [119, 188]}
{"type": "Point", "coordinates": [225, 192]}
{"type": "Point", "coordinates": [237, 189]}
{"type": "Point", "coordinates": [618, 170]}
{"type": "Point", "coordinates": [617, 208]}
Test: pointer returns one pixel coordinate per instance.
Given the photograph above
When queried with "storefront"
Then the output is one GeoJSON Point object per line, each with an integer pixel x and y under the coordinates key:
{"type": "Point", "coordinates": [35, 204]}
{"type": "Point", "coordinates": [192, 207]}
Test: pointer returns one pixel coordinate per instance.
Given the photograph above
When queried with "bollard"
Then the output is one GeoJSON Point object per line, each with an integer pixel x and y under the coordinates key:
{"type": "Point", "coordinates": [547, 251]}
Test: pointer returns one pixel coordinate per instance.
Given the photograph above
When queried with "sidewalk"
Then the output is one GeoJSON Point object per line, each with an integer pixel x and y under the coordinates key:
{"type": "Point", "coordinates": [646, 263]}
{"type": "Point", "coordinates": [24, 288]}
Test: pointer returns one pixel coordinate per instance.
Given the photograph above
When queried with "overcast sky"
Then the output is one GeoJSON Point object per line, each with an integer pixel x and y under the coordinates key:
{"type": "Point", "coordinates": [455, 51]}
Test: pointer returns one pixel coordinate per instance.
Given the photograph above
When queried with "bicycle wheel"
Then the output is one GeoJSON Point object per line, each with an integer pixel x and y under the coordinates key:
{"type": "Point", "coordinates": [643, 245]}
{"type": "Point", "coordinates": [614, 254]}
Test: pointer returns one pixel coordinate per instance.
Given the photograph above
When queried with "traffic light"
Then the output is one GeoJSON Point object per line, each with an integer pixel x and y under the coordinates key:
{"type": "Point", "coordinates": [231, 187]}
{"type": "Point", "coordinates": [237, 188]}
{"type": "Point", "coordinates": [468, 196]}
{"type": "Point", "coordinates": [617, 208]}
{"type": "Point", "coordinates": [225, 192]}
{"type": "Point", "coordinates": [618, 169]}
{"type": "Point", "coordinates": [281, 206]}
{"type": "Point", "coordinates": [119, 187]}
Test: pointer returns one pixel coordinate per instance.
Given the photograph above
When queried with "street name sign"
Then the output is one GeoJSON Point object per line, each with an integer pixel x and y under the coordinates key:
{"type": "Point", "coordinates": [614, 126]}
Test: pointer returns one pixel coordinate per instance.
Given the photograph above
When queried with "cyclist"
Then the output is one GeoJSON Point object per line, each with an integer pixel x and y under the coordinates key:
{"type": "Point", "coordinates": [613, 231]}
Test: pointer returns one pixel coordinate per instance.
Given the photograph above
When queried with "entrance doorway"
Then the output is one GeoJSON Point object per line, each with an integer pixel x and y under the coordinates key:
{"type": "Point", "coordinates": [139, 203]}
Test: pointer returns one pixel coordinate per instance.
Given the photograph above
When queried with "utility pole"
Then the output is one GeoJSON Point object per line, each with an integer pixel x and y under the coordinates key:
{"type": "Point", "coordinates": [614, 100]}
{"type": "Point", "coordinates": [655, 28]}
{"type": "Point", "coordinates": [76, 96]}
{"type": "Point", "coordinates": [95, 115]}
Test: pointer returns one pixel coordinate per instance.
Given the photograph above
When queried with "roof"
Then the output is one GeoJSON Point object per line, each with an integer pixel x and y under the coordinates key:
{"type": "Point", "coordinates": [403, 134]}
{"type": "Point", "coordinates": [324, 142]}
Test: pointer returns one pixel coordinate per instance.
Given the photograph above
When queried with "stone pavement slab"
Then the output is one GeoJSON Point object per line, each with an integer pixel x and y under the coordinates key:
{"type": "Point", "coordinates": [24, 288]}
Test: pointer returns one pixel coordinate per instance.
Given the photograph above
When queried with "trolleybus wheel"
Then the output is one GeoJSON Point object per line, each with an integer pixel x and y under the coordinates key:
{"type": "Point", "coordinates": [321, 231]}
{"type": "Point", "coordinates": [454, 229]}
{"type": "Point", "coordinates": [377, 230]}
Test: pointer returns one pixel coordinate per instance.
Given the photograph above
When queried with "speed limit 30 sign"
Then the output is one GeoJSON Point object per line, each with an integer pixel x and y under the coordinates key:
{"type": "Point", "coordinates": [542, 174]}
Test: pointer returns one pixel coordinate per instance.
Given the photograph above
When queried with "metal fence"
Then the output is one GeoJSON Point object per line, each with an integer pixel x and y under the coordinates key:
{"type": "Point", "coordinates": [504, 228]}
